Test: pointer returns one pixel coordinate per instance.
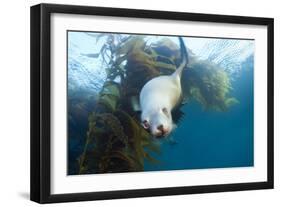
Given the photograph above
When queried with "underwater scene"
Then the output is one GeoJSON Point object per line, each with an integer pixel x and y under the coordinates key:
{"type": "Point", "coordinates": [141, 102]}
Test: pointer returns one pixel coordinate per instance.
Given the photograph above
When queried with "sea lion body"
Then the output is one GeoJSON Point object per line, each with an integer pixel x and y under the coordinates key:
{"type": "Point", "coordinates": [159, 96]}
{"type": "Point", "coordinates": [157, 99]}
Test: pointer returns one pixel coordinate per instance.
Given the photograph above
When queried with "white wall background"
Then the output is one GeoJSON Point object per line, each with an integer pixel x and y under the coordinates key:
{"type": "Point", "coordinates": [14, 102]}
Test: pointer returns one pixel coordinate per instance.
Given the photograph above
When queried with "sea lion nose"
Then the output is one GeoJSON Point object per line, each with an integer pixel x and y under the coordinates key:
{"type": "Point", "coordinates": [160, 127]}
{"type": "Point", "coordinates": [161, 130]}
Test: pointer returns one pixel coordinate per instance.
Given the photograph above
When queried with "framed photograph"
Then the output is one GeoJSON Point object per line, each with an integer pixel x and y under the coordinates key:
{"type": "Point", "coordinates": [133, 103]}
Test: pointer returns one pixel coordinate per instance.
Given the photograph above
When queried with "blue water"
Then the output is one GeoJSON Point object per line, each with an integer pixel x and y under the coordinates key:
{"type": "Point", "coordinates": [211, 139]}
{"type": "Point", "coordinates": [203, 138]}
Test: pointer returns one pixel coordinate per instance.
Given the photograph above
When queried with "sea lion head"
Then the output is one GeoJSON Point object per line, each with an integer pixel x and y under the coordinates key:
{"type": "Point", "coordinates": [158, 122]}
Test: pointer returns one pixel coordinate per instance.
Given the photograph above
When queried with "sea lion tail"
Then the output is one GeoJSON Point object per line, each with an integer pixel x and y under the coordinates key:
{"type": "Point", "coordinates": [184, 58]}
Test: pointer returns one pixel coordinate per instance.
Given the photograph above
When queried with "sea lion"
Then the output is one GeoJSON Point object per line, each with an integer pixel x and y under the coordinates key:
{"type": "Point", "coordinates": [159, 96]}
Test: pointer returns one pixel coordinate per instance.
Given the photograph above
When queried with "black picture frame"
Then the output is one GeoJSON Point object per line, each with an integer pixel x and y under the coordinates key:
{"type": "Point", "coordinates": [41, 96]}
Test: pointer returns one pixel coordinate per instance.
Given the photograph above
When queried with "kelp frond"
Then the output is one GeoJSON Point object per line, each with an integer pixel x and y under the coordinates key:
{"type": "Point", "coordinates": [209, 84]}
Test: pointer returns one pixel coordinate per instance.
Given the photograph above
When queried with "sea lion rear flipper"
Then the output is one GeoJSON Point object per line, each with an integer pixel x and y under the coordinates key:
{"type": "Point", "coordinates": [184, 58]}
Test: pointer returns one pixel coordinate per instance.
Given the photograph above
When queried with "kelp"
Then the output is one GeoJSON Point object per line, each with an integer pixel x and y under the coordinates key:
{"type": "Point", "coordinates": [115, 143]}
{"type": "Point", "coordinates": [79, 107]}
{"type": "Point", "coordinates": [209, 84]}
{"type": "Point", "coordinates": [107, 146]}
{"type": "Point", "coordinates": [115, 140]}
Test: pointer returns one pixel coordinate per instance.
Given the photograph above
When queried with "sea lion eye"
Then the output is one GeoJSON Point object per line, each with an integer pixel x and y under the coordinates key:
{"type": "Point", "coordinates": [165, 111]}
{"type": "Point", "coordinates": [145, 124]}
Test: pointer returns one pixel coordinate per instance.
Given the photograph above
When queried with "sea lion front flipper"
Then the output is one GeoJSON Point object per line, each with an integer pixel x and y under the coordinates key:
{"type": "Point", "coordinates": [135, 103]}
